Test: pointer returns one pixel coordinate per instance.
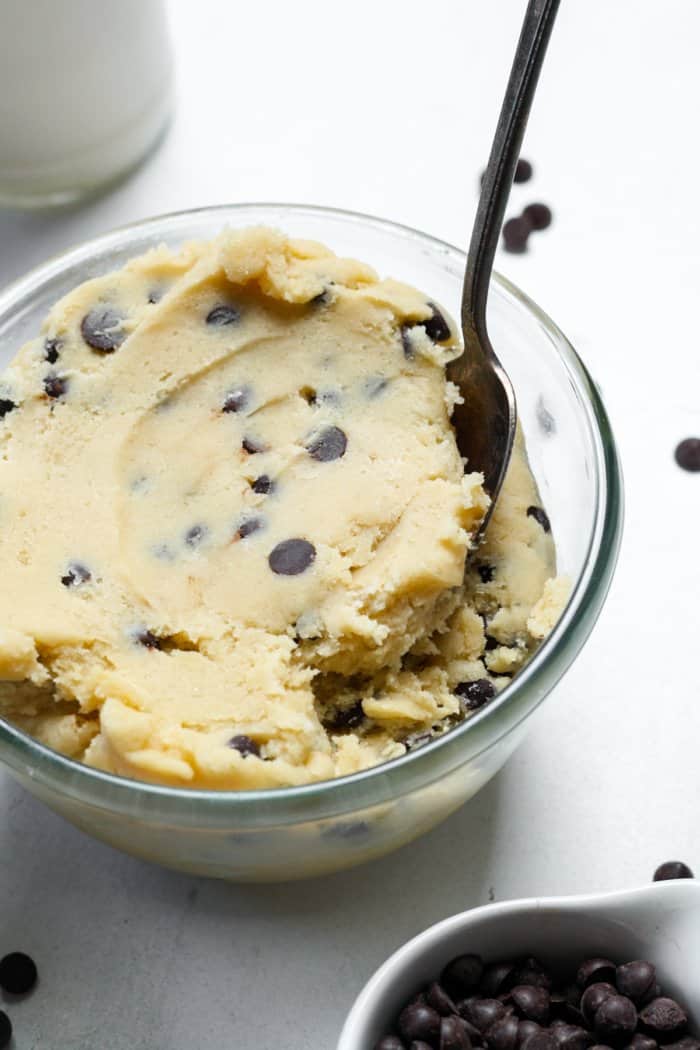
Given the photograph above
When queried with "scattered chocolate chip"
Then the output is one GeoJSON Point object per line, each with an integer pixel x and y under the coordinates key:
{"type": "Point", "coordinates": [223, 315]}
{"type": "Point", "coordinates": [149, 640]}
{"type": "Point", "coordinates": [329, 444]}
{"type": "Point", "coordinates": [291, 557]}
{"type": "Point", "coordinates": [248, 527]}
{"type": "Point", "coordinates": [540, 517]}
{"type": "Point", "coordinates": [350, 718]}
{"type": "Point", "coordinates": [593, 997]}
{"type": "Point", "coordinates": [374, 385]}
{"type": "Point", "coordinates": [236, 399]}
{"type": "Point", "coordinates": [485, 572]}
{"type": "Point", "coordinates": [6, 406]}
{"type": "Point", "coordinates": [244, 745]}
{"type": "Point", "coordinates": [5, 1030]}
{"type": "Point", "coordinates": [474, 695]}
{"type": "Point", "coordinates": [523, 170]}
{"type": "Point", "coordinates": [571, 1037]}
{"type": "Point", "coordinates": [462, 975]}
{"type": "Point", "coordinates": [52, 350]}
{"type": "Point", "coordinates": [454, 1035]}
{"type": "Point", "coordinates": [436, 326]}
{"type": "Point", "coordinates": [498, 977]}
{"type": "Point", "coordinates": [483, 1013]}
{"type": "Point", "coordinates": [532, 1003]}
{"type": "Point", "coordinates": [18, 973]}
{"type": "Point", "coordinates": [75, 575]}
{"type": "Point", "coordinates": [504, 1034]}
{"type": "Point", "coordinates": [102, 329]}
{"type": "Point", "coordinates": [538, 215]}
{"type": "Point", "coordinates": [664, 1019]}
{"type": "Point", "coordinates": [515, 234]}
{"type": "Point", "coordinates": [636, 979]}
{"type": "Point", "coordinates": [672, 869]}
{"type": "Point", "coordinates": [436, 996]}
{"type": "Point", "coordinates": [195, 535]}
{"type": "Point", "coordinates": [419, 1021]}
{"type": "Point", "coordinates": [263, 485]}
{"type": "Point", "coordinates": [252, 446]}
{"type": "Point", "coordinates": [615, 1019]}
{"type": "Point", "coordinates": [55, 386]}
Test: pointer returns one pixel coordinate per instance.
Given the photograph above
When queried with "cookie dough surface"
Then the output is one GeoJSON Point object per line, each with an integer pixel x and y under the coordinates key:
{"type": "Point", "coordinates": [234, 522]}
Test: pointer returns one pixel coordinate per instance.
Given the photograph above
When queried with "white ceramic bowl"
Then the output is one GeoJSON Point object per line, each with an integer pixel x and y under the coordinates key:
{"type": "Point", "coordinates": [660, 922]}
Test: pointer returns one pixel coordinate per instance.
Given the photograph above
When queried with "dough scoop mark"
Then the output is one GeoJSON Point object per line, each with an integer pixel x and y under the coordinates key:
{"type": "Point", "coordinates": [101, 329]}
{"type": "Point", "coordinates": [329, 444]}
{"type": "Point", "coordinates": [75, 575]}
{"type": "Point", "coordinates": [540, 516]}
{"type": "Point", "coordinates": [236, 400]}
{"type": "Point", "coordinates": [249, 526]}
{"type": "Point", "coordinates": [292, 557]}
{"type": "Point", "coordinates": [223, 315]}
{"type": "Point", "coordinates": [263, 485]}
{"type": "Point", "coordinates": [52, 350]}
{"type": "Point", "coordinates": [6, 406]}
{"type": "Point", "coordinates": [252, 446]}
{"type": "Point", "coordinates": [56, 386]}
{"type": "Point", "coordinates": [195, 536]}
{"type": "Point", "coordinates": [244, 745]}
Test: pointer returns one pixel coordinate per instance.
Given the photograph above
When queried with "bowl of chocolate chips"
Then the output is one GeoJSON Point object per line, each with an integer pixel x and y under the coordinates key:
{"type": "Point", "coordinates": [601, 972]}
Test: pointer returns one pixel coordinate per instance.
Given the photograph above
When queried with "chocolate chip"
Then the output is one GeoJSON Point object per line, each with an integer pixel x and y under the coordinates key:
{"type": "Point", "coordinates": [639, 1041]}
{"type": "Point", "coordinates": [101, 329]}
{"type": "Point", "coordinates": [474, 695]}
{"type": "Point", "coordinates": [688, 1043]}
{"type": "Point", "coordinates": [498, 977]}
{"type": "Point", "coordinates": [329, 444]}
{"type": "Point", "coordinates": [571, 1037]}
{"type": "Point", "coordinates": [504, 1034]}
{"type": "Point", "coordinates": [538, 215]}
{"type": "Point", "coordinates": [406, 344]}
{"type": "Point", "coordinates": [565, 1004]}
{"type": "Point", "coordinates": [291, 557]}
{"type": "Point", "coordinates": [223, 315]}
{"type": "Point", "coordinates": [419, 1021]}
{"type": "Point", "coordinates": [416, 740]}
{"type": "Point", "coordinates": [531, 971]}
{"type": "Point", "coordinates": [263, 485]}
{"type": "Point", "coordinates": [672, 869]}
{"type": "Point", "coordinates": [454, 1035]}
{"type": "Point", "coordinates": [436, 326]}
{"type": "Point", "coordinates": [515, 234]}
{"type": "Point", "coordinates": [244, 745]}
{"type": "Point", "coordinates": [483, 1013]}
{"type": "Point", "coordinates": [18, 973]}
{"type": "Point", "coordinates": [6, 406]}
{"type": "Point", "coordinates": [5, 1029]}
{"type": "Point", "coordinates": [252, 446]}
{"type": "Point", "coordinates": [437, 997]}
{"type": "Point", "coordinates": [595, 970]}
{"type": "Point", "coordinates": [615, 1019]}
{"type": "Point", "coordinates": [390, 1042]}
{"type": "Point", "coordinates": [322, 299]}
{"type": "Point", "coordinates": [485, 573]}
{"type": "Point", "coordinates": [491, 643]}
{"type": "Point", "coordinates": [540, 517]}
{"type": "Point", "coordinates": [523, 170]}
{"type": "Point", "coordinates": [75, 575]}
{"type": "Point", "coordinates": [664, 1019]}
{"type": "Point", "coordinates": [149, 640]}
{"type": "Point", "coordinates": [374, 385]}
{"type": "Point", "coordinates": [195, 535]}
{"type": "Point", "coordinates": [52, 350]}
{"type": "Point", "coordinates": [55, 386]}
{"type": "Point", "coordinates": [526, 1029]}
{"type": "Point", "coordinates": [462, 975]}
{"type": "Point", "coordinates": [236, 399]}
{"type": "Point", "coordinates": [541, 1041]}
{"type": "Point", "coordinates": [636, 979]}
{"type": "Point", "coordinates": [593, 997]}
{"type": "Point", "coordinates": [249, 526]}
{"type": "Point", "coordinates": [532, 1003]}
{"type": "Point", "coordinates": [350, 718]}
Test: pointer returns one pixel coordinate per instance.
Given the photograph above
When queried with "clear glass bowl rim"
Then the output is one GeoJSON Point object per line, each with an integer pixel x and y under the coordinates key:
{"type": "Point", "coordinates": [391, 780]}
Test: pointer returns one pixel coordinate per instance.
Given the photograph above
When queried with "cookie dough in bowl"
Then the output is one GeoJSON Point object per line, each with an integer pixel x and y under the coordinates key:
{"type": "Point", "coordinates": [235, 523]}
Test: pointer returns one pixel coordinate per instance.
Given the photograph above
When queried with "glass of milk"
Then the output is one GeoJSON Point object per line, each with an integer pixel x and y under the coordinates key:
{"type": "Point", "coordinates": [85, 94]}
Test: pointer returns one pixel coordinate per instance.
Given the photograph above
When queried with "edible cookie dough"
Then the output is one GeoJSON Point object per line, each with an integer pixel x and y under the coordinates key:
{"type": "Point", "coordinates": [234, 521]}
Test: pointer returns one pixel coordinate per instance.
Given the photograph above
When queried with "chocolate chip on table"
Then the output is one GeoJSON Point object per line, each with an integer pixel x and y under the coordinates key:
{"type": "Point", "coordinates": [102, 329]}
{"type": "Point", "coordinates": [236, 399]}
{"type": "Point", "coordinates": [531, 1003]}
{"type": "Point", "coordinates": [636, 979]}
{"type": "Point", "coordinates": [523, 170]}
{"type": "Point", "coordinates": [6, 406]}
{"type": "Point", "coordinates": [593, 997]}
{"type": "Point", "coordinates": [515, 235]}
{"type": "Point", "coordinates": [540, 516]}
{"type": "Point", "coordinates": [350, 718]}
{"type": "Point", "coordinates": [244, 745]}
{"type": "Point", "coordinates": [5, 1030]}
{"type": "Point", "coordinates": [664, 1019]}
{"type": "Point", "coordinates": [474, 695]}
{"type": "Point", "coordinates": [263, 485]}
{"type": "Point", "coordinates": [291, 557]}
{"type": "Point", "coordinates": [248, 527]}
{"type": "Point", "coordinates": [462, 975]}
{"type": "Point", "coordinates": [436, 327]}
{"type": "Point", "coordinates": [687, 454]}
{"type": "Point", "coordinates": [454, 1034]}
{"type": "Point", "coordinates": [252, 446]}
{"type": "Point", "coordinates": [148, 640]}
{"type": "Point", "coordinates": [672, 869]}
{"type": "Point", "coordinates": [419, 1021]}
{"type": "Point", "coordinates": [52, 350]}
{"type": "Point", "coordinates": [75, 575]}
{"type": "Point", "coordinates": [223, 315]}
{"type": "Point", "coordinates": [329, 444]}
{"type": "Point", "coordinates": [504, 1034]}
{"type": "Point", "coordinates": [195, 535]}
{"type": "Point", "coordinates": [18, 973]}
{"type": "Point", "coordinates": [538, 215]}
{"type": "Point", "coordinates": [55, 386]}
{"type": "Point", "coordinates": [615, 1019]}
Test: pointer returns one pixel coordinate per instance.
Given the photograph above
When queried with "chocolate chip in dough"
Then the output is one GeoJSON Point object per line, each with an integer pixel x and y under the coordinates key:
{"type": "Point", "coordinates": [75, 575]}
{"type": "Point", "coordinates": [263, 485]}
{"type": "Point", "coordinates": [329, 444]}
{"type": "Point", "coordinates": [474, 695]}
{"type": "Point", "coordinates": [102, 329]}
{"type": "Point", "coordinates": [436, 326]}
{"type": "Point", "coordinates": [236, 400]}
{"type": "Point", "coordinates": [55, 386]}
{"type": "Point", "coordinates": [148, 640]}
{"type": "Point", "coordinates": [6, 406]}
{"type": "Point", "coordinates": [540, 516]}
{"type": "Point", "coordinates": [348, 718]}
{"type": "Point", "coordinates": [248, 527]}
{"type": "Point", "coordinates": [292, 557]}
{"type": "Point", "coordinates": [244, 745]}
{"type": "Point", "coordinates": [195, 535]}
{"type": "Point", "coordinates": [486, 573]}
{"type": "Point", "coordinates": [223, 315]}
{"type": "Point", "coordinates": [252, 446]}
{"type": "Point", "coordinates": [52, 350]}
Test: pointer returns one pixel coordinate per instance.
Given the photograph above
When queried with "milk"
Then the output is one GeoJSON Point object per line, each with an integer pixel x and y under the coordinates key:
{"type": "Point", "coordinates": [85, 91]}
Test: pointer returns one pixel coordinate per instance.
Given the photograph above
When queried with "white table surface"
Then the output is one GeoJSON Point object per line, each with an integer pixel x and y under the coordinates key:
{"type": "Point", "coordinates": [346, 105]}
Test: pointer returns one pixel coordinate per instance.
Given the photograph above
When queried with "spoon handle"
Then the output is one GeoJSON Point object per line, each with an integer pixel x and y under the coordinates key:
{"type": "Point", "coordinates": [498, 177]}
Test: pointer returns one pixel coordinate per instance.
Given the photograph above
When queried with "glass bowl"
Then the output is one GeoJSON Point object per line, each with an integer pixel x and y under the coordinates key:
{"type": "Point", "coordinates": [303, 831]}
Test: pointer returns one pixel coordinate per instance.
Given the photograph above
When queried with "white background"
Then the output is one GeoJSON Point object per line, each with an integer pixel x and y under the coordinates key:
{"type": "Point", "coordinates": [388, 108]}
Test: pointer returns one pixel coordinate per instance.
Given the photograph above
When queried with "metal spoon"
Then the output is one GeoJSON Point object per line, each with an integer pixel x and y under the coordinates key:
{"type": "Point", "coordinates": [485, 422]}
